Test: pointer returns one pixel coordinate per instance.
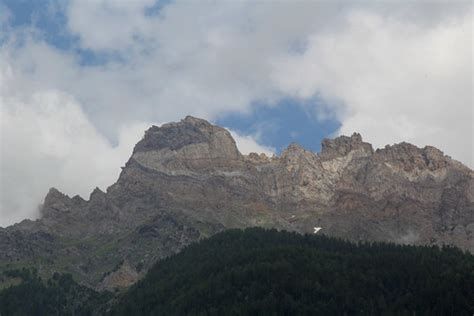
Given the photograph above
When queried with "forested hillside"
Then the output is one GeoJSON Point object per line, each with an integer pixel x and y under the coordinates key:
{"type": "Point", "coordinates": [258, 271]}
{"type": "Point", "coordinates": [280, 273]}
{"type": "Point", "coordinates": [29, 295]}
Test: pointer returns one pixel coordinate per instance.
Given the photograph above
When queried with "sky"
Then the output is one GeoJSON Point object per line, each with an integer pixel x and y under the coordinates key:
{"type": "Point", "coordinates": [81, 80]}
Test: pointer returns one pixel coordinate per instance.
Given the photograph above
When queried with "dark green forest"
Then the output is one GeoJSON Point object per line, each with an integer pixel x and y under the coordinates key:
{"type": "Point", "coordinates": [60, 295]}
{"type": "Point", "coordinates": [266, 272]}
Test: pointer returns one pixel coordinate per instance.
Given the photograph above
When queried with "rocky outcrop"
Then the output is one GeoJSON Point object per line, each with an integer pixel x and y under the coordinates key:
{"type": "Point", "coordinates": [343, 145]}
{"type": "Point", "coordinates": [190, 144]}
{"type": "Point", "coordinates": [124, 276]}
{"type": "Point", "coordinates": [187, 180]}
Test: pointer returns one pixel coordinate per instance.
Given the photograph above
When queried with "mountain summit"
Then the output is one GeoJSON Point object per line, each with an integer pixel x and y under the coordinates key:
{"type": "Point", "coordinates": [187, 180]}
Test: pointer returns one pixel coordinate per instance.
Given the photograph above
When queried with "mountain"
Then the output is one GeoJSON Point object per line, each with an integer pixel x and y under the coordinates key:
{"type": "Point", "coordinates": [267, 272]}
{"type": "Point", "coordinates": [187, 180]}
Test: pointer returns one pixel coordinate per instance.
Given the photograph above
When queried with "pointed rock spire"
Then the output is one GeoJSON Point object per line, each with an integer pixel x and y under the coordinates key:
{"type": "Point", "coordinates": [54, 196]}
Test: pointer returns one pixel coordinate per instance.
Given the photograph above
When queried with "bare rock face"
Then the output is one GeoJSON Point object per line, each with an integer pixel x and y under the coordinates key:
{"type": "Point", "coordinates": [187, 180]}
{"type": "Point", "coordinates": [343, 145]}
{"type": "Point", "coordinates": [190, 144]}
{"type": "Point", "coordinates": [124, 276]}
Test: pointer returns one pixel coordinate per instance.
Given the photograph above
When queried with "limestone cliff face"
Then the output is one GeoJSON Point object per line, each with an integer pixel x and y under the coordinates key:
{"type": "Point", "coordinates": [187, 180]}
{"type": "Point", "coordinates": [192, 144]}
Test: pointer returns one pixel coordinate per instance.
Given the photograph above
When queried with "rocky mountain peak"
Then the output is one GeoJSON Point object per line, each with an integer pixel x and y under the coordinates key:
{"type": "Point", "coordinates": [96, 194]}
{"type": "Point", "coordinates": [434, 158]}
{"type": "Point", "coordinates": [411, 157]}
{"type": "Point", "coordinates": [55, 202]}
{"type": "Point", "coordinates": [293, 151]}
{"type": "Point", "coordinates": [189, 131]}
{"type": "Point", "coordinates": [195, 121]}
{"type": "Point", "coordinates": [55, 197]}
{"type": "Point", "coordinates": [342, 145]}
{"type": "Point", "coordinates": [294, 148]}
{"type": "Point", "coordinates": [192, 143]}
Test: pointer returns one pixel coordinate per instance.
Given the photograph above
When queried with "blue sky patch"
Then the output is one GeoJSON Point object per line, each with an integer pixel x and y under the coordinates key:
{"type": "Point", "coordinates": [49, 20]}
{"type": "Point", "coordinates": [279, 125]}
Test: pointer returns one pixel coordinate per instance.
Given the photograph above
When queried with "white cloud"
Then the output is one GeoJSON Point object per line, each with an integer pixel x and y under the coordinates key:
{"type": "Point", "coordinates": [248, 144]}
{"type": "Point", "coordinates": [398, 81]}
{"type": "Point", "coordinates": [47, 141]}
{"type": "Point", "coordinates": [109, 24]}
{"type": "Point", "coordinates": [392, 72]}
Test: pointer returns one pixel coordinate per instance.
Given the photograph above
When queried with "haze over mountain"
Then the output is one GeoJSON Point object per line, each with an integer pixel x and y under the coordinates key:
{"type": "Point", "coordinates": [187, 180]}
